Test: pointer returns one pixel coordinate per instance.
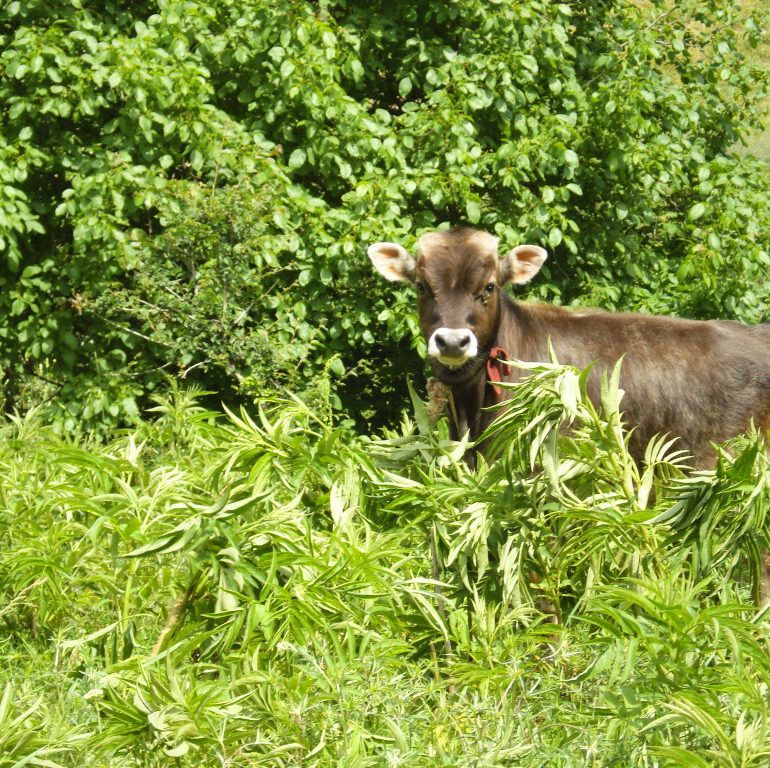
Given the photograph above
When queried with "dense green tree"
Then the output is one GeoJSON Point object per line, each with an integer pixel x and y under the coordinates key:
{"type": "Point", "coordinates": [188, 187]}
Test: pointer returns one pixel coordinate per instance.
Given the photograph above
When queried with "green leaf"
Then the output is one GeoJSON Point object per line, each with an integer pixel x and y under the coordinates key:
{"type": "Point", "coordinates": [337, 367]}
{"type": "Point", "coordinates": [473, 211]}
{"type": "Point", "coordinates": [297, 158]}
{"type": "Point", "coordinates": [196, 160]}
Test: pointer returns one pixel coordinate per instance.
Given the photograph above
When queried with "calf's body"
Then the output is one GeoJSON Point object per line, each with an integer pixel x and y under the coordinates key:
{"type": "Point", "coordinates": [700, 381]}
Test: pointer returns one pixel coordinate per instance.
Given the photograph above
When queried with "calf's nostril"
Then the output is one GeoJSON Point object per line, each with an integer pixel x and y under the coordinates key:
{"type": "Point", "coordinates": [464, 341]}
{"type": "Point", "coordinates": [440, 341]}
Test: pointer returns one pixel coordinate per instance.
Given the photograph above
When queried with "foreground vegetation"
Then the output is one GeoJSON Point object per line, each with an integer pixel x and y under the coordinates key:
{"type": "Point", "coordinates": [270, 589]}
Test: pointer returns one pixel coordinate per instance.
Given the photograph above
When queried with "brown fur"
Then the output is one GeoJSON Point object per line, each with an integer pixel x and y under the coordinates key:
{"type": "Point", "coordinates": [699, 381]}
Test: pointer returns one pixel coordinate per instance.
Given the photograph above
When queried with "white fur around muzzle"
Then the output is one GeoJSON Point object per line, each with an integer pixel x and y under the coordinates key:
{"type": "Point", "coordinates": [452, 336]}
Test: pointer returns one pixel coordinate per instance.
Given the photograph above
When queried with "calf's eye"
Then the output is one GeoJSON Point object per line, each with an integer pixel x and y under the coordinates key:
{"type": "Point", "coordinates": [489, 289]}
{"type": "Point", "coordinates": [420, 288]}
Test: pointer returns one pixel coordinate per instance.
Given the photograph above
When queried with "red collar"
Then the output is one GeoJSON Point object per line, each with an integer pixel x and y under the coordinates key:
{"type": "Point", "coordinates": [494, 369]}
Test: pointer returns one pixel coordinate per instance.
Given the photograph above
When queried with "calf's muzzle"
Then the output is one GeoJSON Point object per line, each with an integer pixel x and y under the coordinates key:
{"type": "Point", "coordinates": [453, 347]}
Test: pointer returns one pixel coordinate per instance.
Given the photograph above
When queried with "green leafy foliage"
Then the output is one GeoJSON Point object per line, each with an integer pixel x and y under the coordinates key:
{"type": "Point", "coordinates": [272, 589]}
{"type": "Point", "coordinates": [186, 192]}
{"type": "Point", "coordinates": [188, 187]}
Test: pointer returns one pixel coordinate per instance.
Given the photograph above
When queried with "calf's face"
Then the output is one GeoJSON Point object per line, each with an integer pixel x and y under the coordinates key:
{"type": "Point", "coordinates": [458, 277]}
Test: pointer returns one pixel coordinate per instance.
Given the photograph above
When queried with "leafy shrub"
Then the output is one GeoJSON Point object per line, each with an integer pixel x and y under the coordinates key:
{"type": "Point", "coordinates": [263, 590]}
{"type": "Point", "coordinates": [287, 138]}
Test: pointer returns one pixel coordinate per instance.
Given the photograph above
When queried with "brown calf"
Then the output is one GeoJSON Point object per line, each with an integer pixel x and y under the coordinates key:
{"type": "Point", "coordinates": [699, 381]}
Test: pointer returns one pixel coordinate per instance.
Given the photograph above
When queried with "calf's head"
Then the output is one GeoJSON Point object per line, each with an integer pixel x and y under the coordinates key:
{"type": "Point", "coordinates": [458, 277]}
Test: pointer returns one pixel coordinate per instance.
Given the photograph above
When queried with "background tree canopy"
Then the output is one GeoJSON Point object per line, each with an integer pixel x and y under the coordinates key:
{"type": "Point", "coordinates": [188, 187]}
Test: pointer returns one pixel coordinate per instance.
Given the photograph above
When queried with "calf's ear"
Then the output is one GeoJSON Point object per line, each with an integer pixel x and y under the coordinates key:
{"type": "Point", "coordinates": [392, 261]}
{"type": "Point", "coordinates": [522, 264]}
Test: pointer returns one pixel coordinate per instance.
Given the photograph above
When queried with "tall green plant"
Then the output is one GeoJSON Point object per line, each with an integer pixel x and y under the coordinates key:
{"type": "Point", "coordinates": [260, 590]}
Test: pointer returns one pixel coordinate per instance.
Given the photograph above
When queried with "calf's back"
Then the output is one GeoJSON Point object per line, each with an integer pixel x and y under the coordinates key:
{"type": "Point", "coordinates": [701, 381]}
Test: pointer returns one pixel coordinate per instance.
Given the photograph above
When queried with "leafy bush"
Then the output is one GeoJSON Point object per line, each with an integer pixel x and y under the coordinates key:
{"type": "Point", "coordinates": [242, 154]}
{"type": "Point", "coordinates": [276, 590]}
